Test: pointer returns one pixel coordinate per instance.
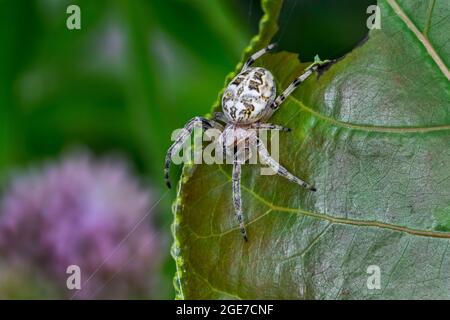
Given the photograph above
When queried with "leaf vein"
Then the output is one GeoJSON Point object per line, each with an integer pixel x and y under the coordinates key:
{"type": "Point", "coordinates": [346, 221]}
{"type": "Point", "coordinates": [368, 128]}
{"type": "Point", "coordinates": [421, 37]}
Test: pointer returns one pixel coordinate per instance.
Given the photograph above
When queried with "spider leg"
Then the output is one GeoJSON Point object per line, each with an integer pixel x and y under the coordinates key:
{"type": "Point", "coordinates": [237, 200]}
{"type": "Point", "coordinates": [279, 169]}
{"type": "Point", "coordinates": [258, 54]}
{"type": "Point", "coordinates": [269, 126]}
{"type": "Point", "coordinates": [219, 116]}
{"type": "Point", "coordinates": [181, 139]}
{"type": "Point", "coordinates": [313, 67]}
{"type": "Point", "coordinates": [276, 104]}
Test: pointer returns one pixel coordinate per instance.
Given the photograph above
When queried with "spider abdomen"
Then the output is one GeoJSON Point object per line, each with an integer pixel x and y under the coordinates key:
{"type": "Point", "coordinates": [249, 96]}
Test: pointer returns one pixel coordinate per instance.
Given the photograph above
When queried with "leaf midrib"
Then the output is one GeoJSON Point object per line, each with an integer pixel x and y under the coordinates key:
{"type": "Point", "coordinates": [421, 37]}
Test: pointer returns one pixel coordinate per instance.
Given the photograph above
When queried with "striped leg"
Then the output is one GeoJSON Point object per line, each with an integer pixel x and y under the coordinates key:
{"type": "Point", "coordinates": [279, 100]}
{"type": "Point", "coordinates": [279, 169]}
{"type": "Point", "coordinates": [313, 67]}
{"type": "Point", "coordinates": [258, 54]}
{"type": "Point", "coordinates": [269, 126]}
{"type": "Point", "coordinates": [181, 139]}
{"type": "Point", "coordinates": [237, 200]}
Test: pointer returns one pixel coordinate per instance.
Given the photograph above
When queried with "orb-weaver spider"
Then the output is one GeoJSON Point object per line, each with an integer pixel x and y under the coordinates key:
{"type": "Point", "coordinates": [247, 103]}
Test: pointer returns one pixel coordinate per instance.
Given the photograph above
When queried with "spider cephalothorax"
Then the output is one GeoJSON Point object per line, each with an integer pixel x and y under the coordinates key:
{"type": "Point", "coordinates": [248, 101]}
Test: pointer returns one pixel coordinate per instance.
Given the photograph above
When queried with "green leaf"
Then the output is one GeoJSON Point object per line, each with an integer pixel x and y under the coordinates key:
{"type": "Point", "coordinates": [373, 134]}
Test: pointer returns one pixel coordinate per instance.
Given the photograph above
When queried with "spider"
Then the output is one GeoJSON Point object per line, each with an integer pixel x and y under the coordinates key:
{"type": "Point", "coordinates": [247, 103]}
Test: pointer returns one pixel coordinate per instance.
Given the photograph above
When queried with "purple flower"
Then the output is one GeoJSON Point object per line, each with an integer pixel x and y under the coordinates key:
{"type": "Point", "coordinates": [82, 212]}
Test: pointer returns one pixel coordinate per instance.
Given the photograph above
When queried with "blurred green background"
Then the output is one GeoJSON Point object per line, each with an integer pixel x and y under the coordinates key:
{"type": "Point", "coordinates": [136, 71]}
